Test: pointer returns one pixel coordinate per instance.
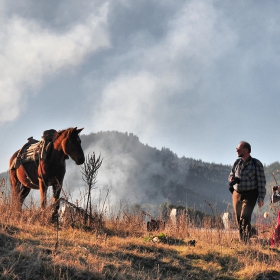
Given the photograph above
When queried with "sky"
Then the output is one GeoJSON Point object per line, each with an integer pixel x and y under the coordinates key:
{"type": "Point", "coordinates": [196, 77]}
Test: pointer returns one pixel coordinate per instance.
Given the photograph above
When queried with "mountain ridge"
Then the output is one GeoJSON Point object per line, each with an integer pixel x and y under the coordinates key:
{"type": "Point", "coordinates": [166, 176]}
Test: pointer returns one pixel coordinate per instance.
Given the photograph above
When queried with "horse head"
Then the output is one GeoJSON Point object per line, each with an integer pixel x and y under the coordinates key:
{"type": "Point", "coordinates": [72, 145]}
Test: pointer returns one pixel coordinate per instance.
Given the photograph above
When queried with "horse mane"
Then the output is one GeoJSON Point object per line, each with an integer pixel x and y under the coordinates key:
{"type": "Point", "coordinates": [60, 132]}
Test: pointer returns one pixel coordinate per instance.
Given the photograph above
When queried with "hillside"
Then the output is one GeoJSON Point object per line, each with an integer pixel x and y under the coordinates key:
{"type": "Point", "coordinates": [143, 175]}
{"type": "Point", "coordinates": [122, 249]}
{"type": "Point", "coordinates": [147, 175]}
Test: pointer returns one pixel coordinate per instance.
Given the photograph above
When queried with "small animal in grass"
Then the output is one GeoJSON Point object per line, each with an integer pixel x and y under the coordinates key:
{"type": "Point", "coordinates": [155, 225]}
{"type": "Point", "coordinates": [191, 243]}
{"type": "Point", "coordinates": [155, 239]}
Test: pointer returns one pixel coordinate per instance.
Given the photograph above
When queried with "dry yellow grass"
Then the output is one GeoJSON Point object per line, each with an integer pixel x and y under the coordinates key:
{"type": "Point", "coordinates": [31, 248]}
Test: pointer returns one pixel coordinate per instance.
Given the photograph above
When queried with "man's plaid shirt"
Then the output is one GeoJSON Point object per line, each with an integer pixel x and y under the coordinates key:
{"type": "Point", "coordinates": [251, 174]}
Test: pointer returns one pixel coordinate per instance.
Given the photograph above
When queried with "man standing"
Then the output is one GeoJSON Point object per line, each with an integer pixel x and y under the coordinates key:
{"type": "Point", "coordinates": [247, 184]}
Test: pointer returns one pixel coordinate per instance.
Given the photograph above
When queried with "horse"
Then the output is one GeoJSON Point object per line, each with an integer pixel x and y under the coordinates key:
{"type": "Point", "coordinates": [45, 171]}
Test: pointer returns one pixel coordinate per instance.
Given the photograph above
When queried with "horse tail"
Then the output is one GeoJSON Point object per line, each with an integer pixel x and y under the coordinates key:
{"type": "Point", "coordinates": [14, 182]}
{"type": "Point", "coordinates": [15, 185]}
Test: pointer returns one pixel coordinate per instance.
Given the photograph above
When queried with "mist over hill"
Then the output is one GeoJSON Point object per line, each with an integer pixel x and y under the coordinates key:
{"type": "Point", "coordinates": [140, 174]}
{"type": "Point", "coordinates": [145, 175]}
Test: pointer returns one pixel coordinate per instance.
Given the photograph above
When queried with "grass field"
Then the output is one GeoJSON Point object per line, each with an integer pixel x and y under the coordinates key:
{"type": "Point", "coordinates": [121, 248]}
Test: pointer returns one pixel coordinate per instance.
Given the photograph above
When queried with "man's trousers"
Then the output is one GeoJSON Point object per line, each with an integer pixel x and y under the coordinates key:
{"type": "Point", "coordinates": [243, 205]}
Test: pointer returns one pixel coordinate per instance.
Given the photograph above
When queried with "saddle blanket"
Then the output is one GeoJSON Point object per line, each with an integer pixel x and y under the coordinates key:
{"type": "Point", "coordinates": [34, 150]}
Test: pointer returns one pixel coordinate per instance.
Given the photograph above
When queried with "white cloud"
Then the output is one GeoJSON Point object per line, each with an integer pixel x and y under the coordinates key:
{"type": "Point", "coordinates": [29, 53]}
{"type": "Point", "coordinates": [139, 97]}
{"type": "Point", "coordinates": [129, 101]}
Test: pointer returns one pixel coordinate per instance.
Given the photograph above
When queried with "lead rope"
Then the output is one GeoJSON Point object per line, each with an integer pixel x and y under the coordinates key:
{"type": "Point", "coordinates": [56, 243]}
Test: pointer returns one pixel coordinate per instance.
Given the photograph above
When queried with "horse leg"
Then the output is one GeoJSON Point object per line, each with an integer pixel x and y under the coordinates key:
{"type": "Point", "coordinates": [55, 201]}
{"type": "Point", "coordinates": [23, 194]}
{"type": "Point", "coordinates": [43, 194]}
{"type": "Point", "coordinates": [15, 186]}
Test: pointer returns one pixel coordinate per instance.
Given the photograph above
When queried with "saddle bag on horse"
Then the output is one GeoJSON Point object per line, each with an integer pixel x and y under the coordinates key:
{"type": "Point", "coordinates": [34, 150]}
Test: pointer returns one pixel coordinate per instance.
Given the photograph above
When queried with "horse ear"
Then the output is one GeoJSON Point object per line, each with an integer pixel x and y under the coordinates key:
{"type": "Point", "coordinates": [79, 130]}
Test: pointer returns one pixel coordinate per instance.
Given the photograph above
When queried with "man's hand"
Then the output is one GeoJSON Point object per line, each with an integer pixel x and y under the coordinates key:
{"type": "Point", "coordinates": [260, 203]}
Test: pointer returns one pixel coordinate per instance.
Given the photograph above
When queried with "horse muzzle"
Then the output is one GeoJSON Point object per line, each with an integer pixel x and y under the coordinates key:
{"type": "Point", "coordinates": [80, 160]}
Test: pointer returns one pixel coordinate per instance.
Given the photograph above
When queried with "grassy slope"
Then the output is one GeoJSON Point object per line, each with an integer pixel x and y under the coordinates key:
{"type": "Point", "coordinates": [123, 250]}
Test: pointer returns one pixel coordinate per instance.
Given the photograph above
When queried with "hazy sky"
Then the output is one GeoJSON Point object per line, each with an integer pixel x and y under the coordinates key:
{"type": "Point", "coordinates": [193, 76]}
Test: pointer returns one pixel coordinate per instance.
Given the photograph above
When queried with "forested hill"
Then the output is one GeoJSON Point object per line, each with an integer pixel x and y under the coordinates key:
{"type": "Point", "coordinates": [141, 174]}
{"type": "Point", "coordinates": [155, 176]}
